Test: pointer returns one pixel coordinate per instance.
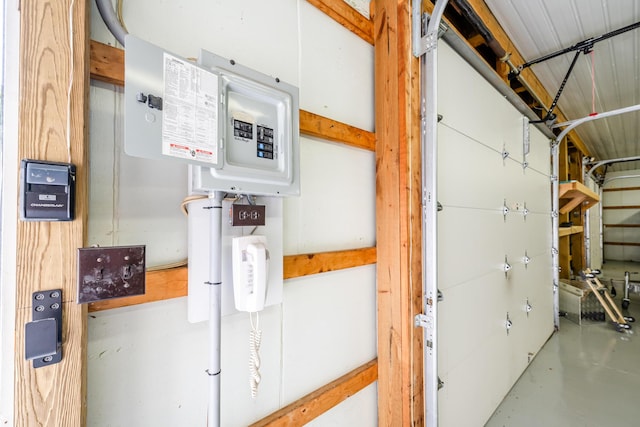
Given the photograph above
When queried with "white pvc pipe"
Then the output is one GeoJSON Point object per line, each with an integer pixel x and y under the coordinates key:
{"type": "Point", "coordinates": [215, 308]}
{"type": "Point", "coordinates": [554, 196]}
{"type": "Point", "coordinates": [429, 66]}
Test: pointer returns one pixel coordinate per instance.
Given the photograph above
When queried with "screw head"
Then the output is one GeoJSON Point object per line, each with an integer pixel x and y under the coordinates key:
{"type": "Point", "coordinates": [55, 306]}
{"type": "Point", "coordinates": [39, 297]}
{"type": "Point", "coordinates": [127, 258]}
{"type": "Point", "coordinates": [99, 259]}
{"type": "Point", "coordinates": [55, 294]}
{"type": "Point", "coordinates": [47, 359]}
{"type": "Point", "coordinates": [40, 308]}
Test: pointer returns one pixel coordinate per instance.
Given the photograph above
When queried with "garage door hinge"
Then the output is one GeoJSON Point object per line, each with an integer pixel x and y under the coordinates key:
{"type": "Point", "coordinates": [423, 321]}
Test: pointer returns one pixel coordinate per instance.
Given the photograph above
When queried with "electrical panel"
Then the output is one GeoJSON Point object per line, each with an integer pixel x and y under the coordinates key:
{"type": "Point", "coordinates": [237, 128]}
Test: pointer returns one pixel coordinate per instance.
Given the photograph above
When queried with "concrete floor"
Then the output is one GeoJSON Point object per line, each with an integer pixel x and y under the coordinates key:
{"type": "Point", "coordinates": [585, 375]}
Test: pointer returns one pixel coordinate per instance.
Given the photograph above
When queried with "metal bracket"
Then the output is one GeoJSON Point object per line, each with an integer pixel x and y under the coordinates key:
{"type": "Point", "coordinates": [506, 267]}
{"type": "Point", "coordinates": [508, 324]}
{"type": "Point", "coordinates": [526, 260]}
{"type": "Point", "coordinates": [526, 141]}
{"type": "Point", "coordinates": [528, 307]}
{"type": "Point", "coordinates": [43, 335]}
{"type": "Point", "coordinates": [423, 321]}
{"type": "Point", "coordinates": [505, 210]}
{"type": "Point", "coordinates": [505, 154]}
{"type": "Point", "coordinates": [426, 42]}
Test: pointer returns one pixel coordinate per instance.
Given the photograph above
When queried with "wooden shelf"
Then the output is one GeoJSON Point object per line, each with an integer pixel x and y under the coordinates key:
{"type": "Point", "coordinates": [573, 193]}
{"type": "Point", "coordinates": [567, 231]}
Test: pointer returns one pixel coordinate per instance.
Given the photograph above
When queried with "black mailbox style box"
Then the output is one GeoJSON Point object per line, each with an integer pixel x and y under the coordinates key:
{"type": "Point", "coordinates": [48, 191]}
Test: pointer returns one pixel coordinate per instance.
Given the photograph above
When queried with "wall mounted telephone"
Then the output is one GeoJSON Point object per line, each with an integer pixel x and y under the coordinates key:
{"type": "Point", "coordinates": [250, 261]}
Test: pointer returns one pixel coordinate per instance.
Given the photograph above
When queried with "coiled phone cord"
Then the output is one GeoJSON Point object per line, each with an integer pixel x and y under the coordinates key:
{"type": "Point", "coordinates": [255, 336]}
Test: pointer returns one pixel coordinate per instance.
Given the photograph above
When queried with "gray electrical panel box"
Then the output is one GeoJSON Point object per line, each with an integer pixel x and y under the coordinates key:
{"type": "Point", "coordinates": [236, 127]}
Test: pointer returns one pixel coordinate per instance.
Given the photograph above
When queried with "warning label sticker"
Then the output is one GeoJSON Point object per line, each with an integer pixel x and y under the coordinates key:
{"type": "Point", "coordinates": [190, 111]}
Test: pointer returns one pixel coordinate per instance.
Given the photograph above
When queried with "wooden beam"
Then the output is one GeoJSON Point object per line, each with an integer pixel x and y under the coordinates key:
{"type": "Point", "coordinates": [323, 127]}
{"type": "Point", "coordinates": [54, 83]}
{"type": "Point", "coordinates": [476, 40]}
{"type": "Point", "coordinates": [622, 225]}
{"type": "Point", "coordinates": [107, 65]}
{"type": "Point", "coordinates": [346, 16]}
{"type": "Point", "coordinates": [622, 207]}
{"type": "Point", "coordinates": [172, 283]}
{"type": "Point", "coordinates": [320, 401]}
{"type": "Point", "coordinates": [398, 217]}
{"type": "Point", "coordinates": [622, 189]}
{"type": "Point", "coordinates": [307, 264]}
{"type": "Point", "coordinates": [622, 243]}
{"type": "Point", "coordinates": [160, 285]}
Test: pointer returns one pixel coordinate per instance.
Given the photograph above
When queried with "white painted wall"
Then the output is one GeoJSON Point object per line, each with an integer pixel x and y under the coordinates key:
{"type": "Point", "coordinates": [9, 201]}
{"type": "Point", "coordinates": [478, 360]}
{"type": "Point", "coordinates": [621, 216]}
{"type": "Point", "coordinates": [146, 363]}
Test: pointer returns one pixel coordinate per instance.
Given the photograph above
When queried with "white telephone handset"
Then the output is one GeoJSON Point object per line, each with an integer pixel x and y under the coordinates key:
{"type": "Point", "coordinates": [250, 272]}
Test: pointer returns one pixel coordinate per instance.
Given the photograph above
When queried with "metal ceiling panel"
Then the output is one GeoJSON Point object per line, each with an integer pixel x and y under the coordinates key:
{"type": "Point", "coordinates": [601, 81]}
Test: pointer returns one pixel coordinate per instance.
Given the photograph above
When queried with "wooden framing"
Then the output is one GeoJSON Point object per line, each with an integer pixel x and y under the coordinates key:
{"type": "Point", "coordinates": [346, 16]}
{"type": "Point", "coordinates": [622, 189]}
{"type": "Point", "coordinates": [622, 243]}
{"type": "Point", "coordinates": [398, 217]}
{"type": "Point", "coordinates": [307, 264]}
{"type": "Point", "coordinates": [622, 207]}
{"type": "Point", "coordinates": [172, 283]}
{"type": "Point", "coordinates": [314, 404]}
{"type": "Point", "coordinates": [322, 127]}
{"type": "Point", "coordinates": [54, 82]}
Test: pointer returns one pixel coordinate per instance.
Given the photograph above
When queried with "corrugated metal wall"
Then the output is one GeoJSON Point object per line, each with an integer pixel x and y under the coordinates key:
{"type": "Point", "coordinates": [480, 361]}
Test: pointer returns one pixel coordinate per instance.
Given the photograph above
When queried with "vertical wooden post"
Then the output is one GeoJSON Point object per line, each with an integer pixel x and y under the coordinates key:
{"type": "Point", "coordinates": [398, 217]}
{"type": "Point", "coordinates": [54, 83]}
